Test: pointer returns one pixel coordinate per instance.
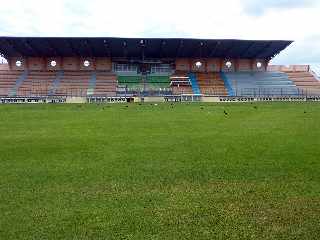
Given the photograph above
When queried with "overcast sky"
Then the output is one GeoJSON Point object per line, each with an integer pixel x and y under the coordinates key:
{"type": "Point", "coordinates": [296, 20]}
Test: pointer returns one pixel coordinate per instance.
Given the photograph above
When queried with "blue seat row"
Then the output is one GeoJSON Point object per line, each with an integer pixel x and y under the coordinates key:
{"type": "Point", "coordinates": [261, 84]}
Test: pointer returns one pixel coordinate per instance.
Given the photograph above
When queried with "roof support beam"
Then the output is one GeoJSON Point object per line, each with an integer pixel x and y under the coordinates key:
{"type": "Point", "coordinates": [125, 49]}
{"type": "Point", "coordinates": [214, 50]}
{"type": "Point", "coordinates": [244, 53]}
{"type": "Point", "coordinates": [32, 48]}
{"type": "Point", "coordinates": [229, 50]}
{"type": "Point", "coordinates": [142, 44]}
{"type": "Point", "coordinates": [198, 53]}
{"type": "Point", "coordinates": [89, 47]}
{"type": "Point", "coordinates": [53, 49]}
{"type": "Point", "coordinates": [107, 49]}
{"type": "Point", "coordinates": [179, 50]}
{"type": "Point", "coordinates": [73, 50]}
{"type": "Point", "coordinates": [162, 46]}
{"type": "Point", "coordinates": [262, 50]}
{"type": "Point", "coordinates": [8, 42]}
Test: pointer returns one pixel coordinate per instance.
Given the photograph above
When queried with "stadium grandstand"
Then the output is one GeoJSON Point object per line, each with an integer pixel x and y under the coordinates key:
{"type": "Point", "coordinates": [95, 69]}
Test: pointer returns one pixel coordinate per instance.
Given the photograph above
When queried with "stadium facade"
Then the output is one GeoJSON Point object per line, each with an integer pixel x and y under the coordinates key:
{"type": "Point", "coordinates": [95, 69]}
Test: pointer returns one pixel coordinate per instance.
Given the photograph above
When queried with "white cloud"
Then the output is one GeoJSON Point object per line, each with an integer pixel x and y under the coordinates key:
{"type": "Point", "coordinates": [142, 18]}
{"type": "Point", "coordinates": [259, 7]}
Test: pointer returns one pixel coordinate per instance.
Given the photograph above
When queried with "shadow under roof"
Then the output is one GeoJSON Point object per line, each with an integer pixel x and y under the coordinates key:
{"type": "Point", "coordinates": [133, 48]}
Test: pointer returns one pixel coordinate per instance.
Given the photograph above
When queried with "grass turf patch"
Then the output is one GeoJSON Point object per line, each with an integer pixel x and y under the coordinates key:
{"type": "Point", "coordinates": [171, 171]}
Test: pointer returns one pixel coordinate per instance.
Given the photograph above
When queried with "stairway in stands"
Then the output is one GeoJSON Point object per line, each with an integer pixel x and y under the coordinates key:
{"type": "Point", "coordinates": [92, 84]}
{"type": "Point", "coordinates": [194, 84]}
{"type": "Point", "coordinates": [55, 83]}
{"type": "Point", "coordinates": [261, 84]}
{"type": "Point", "coordinates": [227, 84]}
{"type": "Point", "coordinates": [37, 83]}
{"type": "Point", "coordinates": [14, 90]}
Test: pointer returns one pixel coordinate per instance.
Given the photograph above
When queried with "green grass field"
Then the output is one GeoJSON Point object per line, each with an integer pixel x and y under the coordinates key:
{"type": "Point", "coordinates": [181, 171]}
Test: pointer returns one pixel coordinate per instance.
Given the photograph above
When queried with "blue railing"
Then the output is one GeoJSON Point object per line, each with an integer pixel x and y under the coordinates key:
{"type": "Point", "coordinates": [194, 84]}
{"type": "Point", "coordinates": [227, 84]}
{"type": "Point", "coordinates": [92, 84]}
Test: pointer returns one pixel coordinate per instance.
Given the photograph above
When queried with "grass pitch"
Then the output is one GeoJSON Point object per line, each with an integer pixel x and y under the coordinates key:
{"type": "Point", "coordinates": [180, 171]}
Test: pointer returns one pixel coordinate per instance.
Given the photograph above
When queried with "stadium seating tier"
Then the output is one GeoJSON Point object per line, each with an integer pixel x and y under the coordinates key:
{"type": "Point", "coordinates": [211, 84]}
{"type": "Point", "coordinates": [306, 82]}
{"type": "Point", "coordinates": [261, 84]}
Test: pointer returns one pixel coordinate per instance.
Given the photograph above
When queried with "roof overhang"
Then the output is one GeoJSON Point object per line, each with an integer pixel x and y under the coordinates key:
{"type": "Point", "coordinates": [133, 48]}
